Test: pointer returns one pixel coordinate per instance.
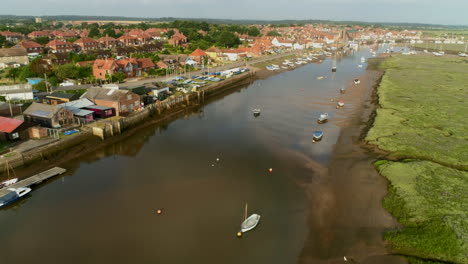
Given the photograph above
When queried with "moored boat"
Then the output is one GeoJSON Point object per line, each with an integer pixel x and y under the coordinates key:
{"type": "Point", "coordinates": [317, 136]}
{"type": "Point", "coordinates": [256, 112]}
{"type": "Point", "coordinates": [323, 118]}
{"type": "Point", "coordinates": [342, 90]}
{"type": "Point", "coordinates": [13, 195]}
{"type": "Point", "coordinates": [8, 183]}
{"type": "Point", "coordinates": [357, 81]}
{"type": "Point", "coordinates": [333, 69]}
{"type": "Point", "coordinates": [340, 103]}
{"type": "Point", "coordinates": [250, 223]}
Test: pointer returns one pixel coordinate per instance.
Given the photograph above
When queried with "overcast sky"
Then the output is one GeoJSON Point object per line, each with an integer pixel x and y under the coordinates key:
{"type": "Point", "coordinates": [424, 11]}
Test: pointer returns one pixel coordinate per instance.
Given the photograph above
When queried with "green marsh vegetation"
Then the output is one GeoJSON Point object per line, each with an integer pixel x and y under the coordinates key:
{"type": "Point", "coordinates": [423, 123]}
{"type": "Point", "coordinates": [424, 109]}
{"type": "Point", "coordinates": [453, 48]}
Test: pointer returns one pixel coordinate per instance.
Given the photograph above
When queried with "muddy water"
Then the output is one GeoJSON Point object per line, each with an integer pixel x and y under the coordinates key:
{"type": "Point", "coordinates": [104, 209]}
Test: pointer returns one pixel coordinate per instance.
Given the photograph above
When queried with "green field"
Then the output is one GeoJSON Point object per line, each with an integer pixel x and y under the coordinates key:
{"type": "Point", "coordinates": [423, 123]}
{"type": "Point", "coordinates": [424, 109]}
{"type": "Point", "coordinates": [431, 201]}
{"type": "Point", "coordinates": [445, 33]}
{"type": "Point", "coordinates": [453, 48]}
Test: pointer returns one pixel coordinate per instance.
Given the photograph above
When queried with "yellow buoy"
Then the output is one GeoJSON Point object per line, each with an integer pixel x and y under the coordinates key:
{"type": "Point", "coordinates": [159, 211]}
{"type": "Point", "coordinates": [270, 170]}
{"type": "Point", "coordinates": [239, 234]}
{"type": "Point", "coordinates": [313, 140]}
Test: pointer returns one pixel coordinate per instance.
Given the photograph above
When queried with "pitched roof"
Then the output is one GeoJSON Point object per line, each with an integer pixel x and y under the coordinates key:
{"type": "Point", "coordinates": [28, 44]}
{"type": "Point", "coordinates": [13, 52]}
{"type": "Point", "coordinates": [85, 40]}
{"type": "Point", "coordinates": [213, 49]}
{"type": "Point", "coordinates": [198, 53]}
{"type": "Point", "coordinates": [145, 63]}
{"type": "Point", "coordinates": [57, 42]}
{"type": "Point", "coordinates": [41, 110]}
{"type": "Point", "coordinates": [8, 125]}
{"type": "Point", "coordinates": [104, 94]}
{"type": "Point", "coordinates": [105, 64]}
{"type": "Point", "coordinates": [75, 106]}
{"type": "Point", "coordinates": [62, 95]}
{"type": "Point", "coordinates": [106, 39]}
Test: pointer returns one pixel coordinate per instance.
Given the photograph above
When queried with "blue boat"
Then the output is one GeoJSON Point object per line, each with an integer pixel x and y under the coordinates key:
{"type": "Point", "coordinates": [317, 136]}
{"type": "Point", "coordinates": [69, 132]}
{"type": "Point", "coordinates": [13, 195]}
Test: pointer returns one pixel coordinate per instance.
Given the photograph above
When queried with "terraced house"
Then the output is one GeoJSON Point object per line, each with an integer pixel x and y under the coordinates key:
{"type": "Point", "coordinates": [86, 43]}
{"type": "Point", "coordinates": [60, 46]}
{"type": "Point", "coordinates": [30, 46]}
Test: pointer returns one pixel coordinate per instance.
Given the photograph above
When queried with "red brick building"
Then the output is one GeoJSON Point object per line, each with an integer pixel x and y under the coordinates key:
{"type": "Point", "coordinates": [30, 46]}
{"type": "Point", "coordinates": [123, 101]}
{"type": "Point", "coordinates": [127, 40]}
{"type": "Point", "coordinates": [109, 42]}
{"type": "Point", "coordinates": [198, 55]}
{"type": "Point", "coordinates": [60, 46]}
{"type": "Point", "coordinates": [101, 68]}
{"type": "Point", "coordinates": [178, 39]}
{"type": "Point", "coordinates": [86, 43]}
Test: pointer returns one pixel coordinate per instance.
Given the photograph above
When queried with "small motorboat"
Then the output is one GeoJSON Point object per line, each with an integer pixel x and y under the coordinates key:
{"type": "Point", "coordinates": [323, 118]}
{"type": "Point", "coordinates": [357, 81]}
{"type": "Point", "coordinates": [340, 103]}
{"type": "Point", "coordinates": [334, 69]}
{"type": "Point", "coordinates": [256, 112]}
{"type": "Point", "coordinates": [13, 195]}
{"type": "Point", "coordinates": [320, 78]}
{"type": "Point", "coordinates": [359, 65]}
{"type": "Point", "coordinates": [8, 183]}
{"type": "Point", "coordinates": [250, 223]}
{"type": "Point", "coordinates": [363, 59]}
{"type": "Point", "coordinates": [317, 136]}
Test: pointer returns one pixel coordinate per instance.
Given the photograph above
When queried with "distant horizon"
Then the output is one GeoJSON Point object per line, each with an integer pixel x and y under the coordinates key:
{"type": "Point", "coordinates": [103, 18]}
{"type": "Point", "coordinates": [448, 12]}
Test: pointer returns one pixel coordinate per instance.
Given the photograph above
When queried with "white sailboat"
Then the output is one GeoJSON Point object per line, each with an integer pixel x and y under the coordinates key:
{"type": "Point", "coordinates": [250, 222]}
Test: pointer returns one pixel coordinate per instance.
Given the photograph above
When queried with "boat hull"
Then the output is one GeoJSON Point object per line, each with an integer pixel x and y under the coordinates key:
{"type": "Point", "coordinates": [250, 223]}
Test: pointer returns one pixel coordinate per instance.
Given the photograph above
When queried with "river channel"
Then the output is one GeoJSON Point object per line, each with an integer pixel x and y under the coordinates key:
{"type": "Point", "coordinates": [201, 170]}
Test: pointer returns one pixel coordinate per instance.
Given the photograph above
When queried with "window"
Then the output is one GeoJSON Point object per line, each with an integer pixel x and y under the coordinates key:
{"type": "Point", "coordinates": [15, 135]}
{"type": "Point", "coordinates": [129, 97]}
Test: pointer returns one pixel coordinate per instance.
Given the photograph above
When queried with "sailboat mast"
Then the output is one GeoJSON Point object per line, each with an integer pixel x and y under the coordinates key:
{"type": "Point", "coordinates": [245, 215]}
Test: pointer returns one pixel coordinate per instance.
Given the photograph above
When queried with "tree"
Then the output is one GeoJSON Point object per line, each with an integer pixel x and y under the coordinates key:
{"type": "Point", "coordinates": [118, 77]}
{"type": "Point", "coordinates": [3, 41]}
{"type": "Point", "coordinates": [42, 40]}
{"type": "Point", "coordinates": [66, 71]}
{"type": "Point", "coordinates": [273, 33]}
{"type": "Point", "coordinates": [13, 73]}
{"type": "Point", "coordinates": [94, 32]}
{"type": "Point", "coordinates": [109, 32]}
{"type": "Point", "coordinates": [253, 31]}
{"type": "Point", "coordinates": [170, 33]}
{"type": "Point", "coordinates": [227, 39]}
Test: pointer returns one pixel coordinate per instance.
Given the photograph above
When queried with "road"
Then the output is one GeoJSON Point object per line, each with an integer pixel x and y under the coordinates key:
{"type": "Point", "coordinates": [136, 83]}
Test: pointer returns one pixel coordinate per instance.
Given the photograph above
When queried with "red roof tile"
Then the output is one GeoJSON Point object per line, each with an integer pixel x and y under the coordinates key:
{"type": "Point", "coordinates": [8, 125]}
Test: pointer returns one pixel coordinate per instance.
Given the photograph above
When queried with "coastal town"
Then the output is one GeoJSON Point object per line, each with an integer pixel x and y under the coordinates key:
{"type": "Point", "coordinates": [371, 116]}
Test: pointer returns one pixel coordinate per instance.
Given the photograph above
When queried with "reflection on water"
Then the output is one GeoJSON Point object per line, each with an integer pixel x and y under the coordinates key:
{"type": "Point", "coordinates": [104, 209]}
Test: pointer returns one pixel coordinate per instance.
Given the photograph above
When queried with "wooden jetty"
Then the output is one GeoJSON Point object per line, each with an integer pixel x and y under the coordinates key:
{"type": "Point", "coordinates": [36, 179]}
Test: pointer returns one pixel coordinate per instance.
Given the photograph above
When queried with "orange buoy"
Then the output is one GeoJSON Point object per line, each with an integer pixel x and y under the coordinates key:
{"type": "Point", "coordinates": [159, 211]}
{"type": "Point", "coordinates": [270, 170]}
